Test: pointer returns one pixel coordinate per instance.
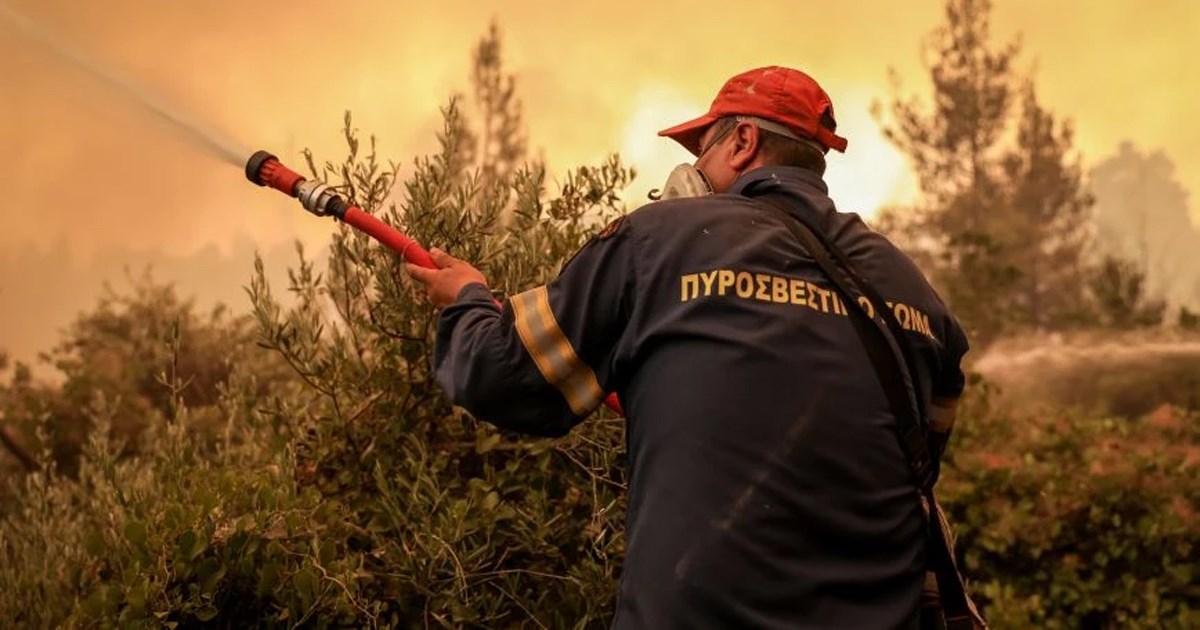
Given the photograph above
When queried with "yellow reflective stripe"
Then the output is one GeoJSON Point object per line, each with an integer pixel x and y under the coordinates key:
{"type": "Point", "coordinates": [552, 352]}
{"type": "Point", "coordinates": [942, 414]}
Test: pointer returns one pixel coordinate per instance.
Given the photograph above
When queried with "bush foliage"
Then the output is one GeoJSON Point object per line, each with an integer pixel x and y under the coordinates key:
{"type": "Point", "coordinates": [1071, 520]}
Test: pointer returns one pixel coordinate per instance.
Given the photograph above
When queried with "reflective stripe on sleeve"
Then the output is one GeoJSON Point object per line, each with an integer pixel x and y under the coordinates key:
{"type": "Point", "coordinates": [555, 357]}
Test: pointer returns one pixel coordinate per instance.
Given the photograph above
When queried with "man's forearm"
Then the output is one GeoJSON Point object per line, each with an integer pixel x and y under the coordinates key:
{"type": "Point", "coordinates": [482, 365]}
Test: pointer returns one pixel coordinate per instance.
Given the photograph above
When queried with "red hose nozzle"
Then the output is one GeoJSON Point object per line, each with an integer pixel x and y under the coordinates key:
{"type": "Point", "coordinates": [320, 199]}
{"type": "Point", "coordinates": [265, 169]}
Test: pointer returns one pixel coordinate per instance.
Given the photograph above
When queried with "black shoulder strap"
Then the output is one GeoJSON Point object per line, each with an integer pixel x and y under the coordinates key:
{"type": "Point", "coordinates": [884, 340]}
{"type": "Point", "coordinates": [881, 334]}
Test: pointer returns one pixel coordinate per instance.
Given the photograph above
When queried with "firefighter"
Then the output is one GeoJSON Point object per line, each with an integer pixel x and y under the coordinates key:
{"type": "Point", "coordinates": [767, 485]}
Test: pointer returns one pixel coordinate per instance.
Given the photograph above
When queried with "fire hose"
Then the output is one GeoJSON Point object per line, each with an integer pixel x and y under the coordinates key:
{"type": "Point", "coordinates": [321, 200]}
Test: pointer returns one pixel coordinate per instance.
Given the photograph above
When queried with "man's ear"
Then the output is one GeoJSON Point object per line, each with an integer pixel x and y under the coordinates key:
{"type": "Point", "coordinates": [746, 143]}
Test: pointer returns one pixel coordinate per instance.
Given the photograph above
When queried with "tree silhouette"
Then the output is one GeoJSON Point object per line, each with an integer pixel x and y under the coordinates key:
{"type": "Point", "coordinates": [1142, 215]}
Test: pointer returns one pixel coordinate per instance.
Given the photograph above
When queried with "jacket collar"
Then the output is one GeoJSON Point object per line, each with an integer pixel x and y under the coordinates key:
{"type": "Point", "coordinates": [770, 176]}
{"type": "Point", "coordinates": [806, 186]}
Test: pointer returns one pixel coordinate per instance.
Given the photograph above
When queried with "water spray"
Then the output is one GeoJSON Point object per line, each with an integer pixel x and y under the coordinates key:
{"type": "Point", "coordinates": [321, 200]}
{"type": "Point", "coordinates": [213, 142]}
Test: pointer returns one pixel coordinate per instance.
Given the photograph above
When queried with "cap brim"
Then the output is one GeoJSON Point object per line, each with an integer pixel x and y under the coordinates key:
{"type": "Point", "coordinates": [689, 133]}
{"type": "Point", "coordinates": [831, 140]}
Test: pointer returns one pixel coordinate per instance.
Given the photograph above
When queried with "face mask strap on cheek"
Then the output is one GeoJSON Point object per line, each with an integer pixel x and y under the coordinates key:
{"type": "Point", "coordinates": [685, 181]}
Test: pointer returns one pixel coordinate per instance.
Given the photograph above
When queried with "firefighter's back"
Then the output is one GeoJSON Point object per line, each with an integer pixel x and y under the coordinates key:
{"type": "Point", "coordinates": [768, 488]}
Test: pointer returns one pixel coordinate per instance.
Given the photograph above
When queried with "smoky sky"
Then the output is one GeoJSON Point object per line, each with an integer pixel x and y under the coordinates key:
{"type": "Point", "coordinates": [84, 171]}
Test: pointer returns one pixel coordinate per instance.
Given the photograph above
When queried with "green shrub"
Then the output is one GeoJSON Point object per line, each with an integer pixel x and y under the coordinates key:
{"type": "Point", "coordinates": [1071, 520]}
{"type": "Point", "coordinates": [458, 524]}
{"type": "Point", "coordinates": [184, 532]}
{"type": "Point", "coordinates": [123, 348]}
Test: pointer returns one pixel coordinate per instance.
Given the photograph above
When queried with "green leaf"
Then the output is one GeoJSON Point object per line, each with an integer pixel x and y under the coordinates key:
{"type": "Point", "coordinates": [378, 523]}
{"type": "Point", "coordinates": [486, 443]}
{"type": "Point", "coordinates": [190, 545]}
{"type": "Point", "coordinates": [268, 579]}
{"type": "Point", "coordinates": [209, 573]}
{"type": "Point", "coordinates": [113, 598]}
{"type": "Point", "coordinates": [206, 499]}
{"type": "Point", "coordinates": [305, 583]}
{"type": "Point", "coordinates": [236, 543]}
{"type": "Point", "coordinates": [185, 543]}
{"type": "Point", "coordinates": [94, 543]}
{"type": "Point", "coordinates": [93, 606]}
{"type": "Point", "coordinates": [135, 533]}
{"type": "Point", "coordinates": [207, 613]}
{"type": "Point", "coordinates": [136, 599]}
{"type": "Point", "coordinates": [327, 551]}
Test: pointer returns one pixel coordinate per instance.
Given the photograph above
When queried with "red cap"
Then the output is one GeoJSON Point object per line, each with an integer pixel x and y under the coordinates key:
{"type": "Point", "coordinates": [783, 95]}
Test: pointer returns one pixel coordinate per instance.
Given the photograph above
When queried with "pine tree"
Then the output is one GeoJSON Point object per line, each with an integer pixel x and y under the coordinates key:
{"type": "Point", "coordinates": [952, 143]}
{"type": "Point", "coordinates": [1002, 219]}
{"type": "Point", "coordinates": [1045, 227]}
{"type": "Point", "coordinates": [501, 143]}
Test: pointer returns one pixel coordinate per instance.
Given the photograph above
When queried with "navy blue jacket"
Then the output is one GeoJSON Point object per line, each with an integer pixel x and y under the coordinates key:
{"type": "Point", "coordinates": [767, 485]}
